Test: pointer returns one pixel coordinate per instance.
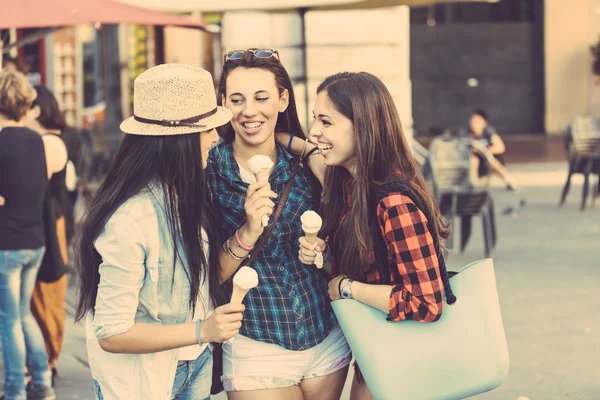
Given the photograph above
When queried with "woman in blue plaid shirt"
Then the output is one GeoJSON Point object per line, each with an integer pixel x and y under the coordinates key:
{"type": "Point", "coordinates": [289, 346]}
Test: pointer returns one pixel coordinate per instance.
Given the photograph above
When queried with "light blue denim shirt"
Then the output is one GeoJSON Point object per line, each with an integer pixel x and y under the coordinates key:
{"type": "Point", "coordinates": [138, 283]}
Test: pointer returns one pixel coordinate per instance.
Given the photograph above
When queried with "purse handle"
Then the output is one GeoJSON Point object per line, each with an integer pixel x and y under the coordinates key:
{"type": "Point", "coordinates": [278, 211]}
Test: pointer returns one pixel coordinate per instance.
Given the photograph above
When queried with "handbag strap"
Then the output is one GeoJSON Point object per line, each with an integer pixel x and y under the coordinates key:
{"type": "Point", "coordinates": [278, 211]}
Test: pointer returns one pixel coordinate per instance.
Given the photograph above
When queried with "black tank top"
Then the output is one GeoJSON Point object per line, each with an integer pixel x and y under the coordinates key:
{"type": "Point", "coordinates": [23, 183]}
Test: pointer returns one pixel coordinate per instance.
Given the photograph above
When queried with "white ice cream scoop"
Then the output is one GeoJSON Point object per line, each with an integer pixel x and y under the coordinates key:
{"type": "Point", "coordinates": [311, 222]}
{"type": "Point", "coordinates": [258, 163]}
{"type": "Point", "coordinates": [245, 279]}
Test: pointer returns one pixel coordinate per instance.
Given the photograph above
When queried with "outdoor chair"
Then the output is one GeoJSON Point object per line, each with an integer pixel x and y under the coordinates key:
{"type": "Point", "coordinates": [583, 150]}
{"type": "Point", "coordinates": [457, 196]}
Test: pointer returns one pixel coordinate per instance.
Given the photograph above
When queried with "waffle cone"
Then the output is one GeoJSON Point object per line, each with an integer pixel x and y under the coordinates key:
{"type": "Point", "coordinates": [238, 294]}
{"type": "Point", "coordinates": [263, 175]}
{"type": "Point", "coordinates": [311, 237]}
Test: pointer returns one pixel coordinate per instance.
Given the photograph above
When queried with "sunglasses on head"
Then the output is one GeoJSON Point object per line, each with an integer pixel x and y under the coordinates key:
{"type": "Point", "coordinates": [258, 53]}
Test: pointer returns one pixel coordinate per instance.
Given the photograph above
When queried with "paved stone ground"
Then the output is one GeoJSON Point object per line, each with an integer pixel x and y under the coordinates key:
{"type": "Point", "coordinates": [548, 274]}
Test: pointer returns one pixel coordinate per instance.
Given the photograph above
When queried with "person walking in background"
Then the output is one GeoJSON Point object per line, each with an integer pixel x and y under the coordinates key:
{"type": "Point", "coordinates": [23, 183]}
{"type": "Point", "coordinates": [49, 295]}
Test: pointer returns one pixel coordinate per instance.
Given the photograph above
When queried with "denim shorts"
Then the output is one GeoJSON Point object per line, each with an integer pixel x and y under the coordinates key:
{"type": "Point", "coordinates": [193, 379]}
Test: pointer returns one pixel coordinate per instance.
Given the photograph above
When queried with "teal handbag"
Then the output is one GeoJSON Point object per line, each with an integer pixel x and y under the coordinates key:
{"type": "Point", "coordinates": [460, 355]}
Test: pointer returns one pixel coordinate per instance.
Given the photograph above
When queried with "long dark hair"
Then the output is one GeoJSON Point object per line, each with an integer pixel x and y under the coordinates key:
{"type": "Point", "coordinates": [382, 156]}
{"type": "Point", "coordinates": [50, 115]}
{"type": "Point", "coordinates": [175, 163]}
{"type": "Point", "coordinates": [288, 120]}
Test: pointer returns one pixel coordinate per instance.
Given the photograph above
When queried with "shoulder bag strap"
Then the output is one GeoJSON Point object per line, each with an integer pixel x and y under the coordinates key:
{"type": "Point", "coordinates": [278, 211]}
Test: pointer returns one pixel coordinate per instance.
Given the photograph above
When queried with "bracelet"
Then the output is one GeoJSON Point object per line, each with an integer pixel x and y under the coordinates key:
{"type": "Point", "coordinates": [227, 248]}
{"type": "Point", "coordinates": [240, 243]}
{"type": "Point", "coordinates": [289, 147]}
{"type": "Point", "coordinates": [304, 148]}
{"type": "Point", "coordinates": [340, 285]}
{"type": "Point", "coordinates": [198, 322]}
{"type": "Point", "coordinates": [312, 152]}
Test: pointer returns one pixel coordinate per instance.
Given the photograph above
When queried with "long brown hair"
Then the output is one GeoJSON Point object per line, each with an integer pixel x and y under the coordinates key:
{"type": "Point", "coordinates": [382, 156]}
{"type": "Point", "coordinates": [288, 120]}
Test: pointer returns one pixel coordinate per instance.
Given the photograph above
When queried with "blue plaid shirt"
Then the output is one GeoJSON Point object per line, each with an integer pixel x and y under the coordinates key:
{"type": "Point", "coordinates": [290, 306]}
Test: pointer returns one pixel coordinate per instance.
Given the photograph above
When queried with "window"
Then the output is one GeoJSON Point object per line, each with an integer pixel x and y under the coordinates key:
{"type": "Point", "coordinates": [464, 13]}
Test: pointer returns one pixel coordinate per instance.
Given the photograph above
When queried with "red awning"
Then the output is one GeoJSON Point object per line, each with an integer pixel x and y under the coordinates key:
{"type": "Point", "coordinates": [56, 13]}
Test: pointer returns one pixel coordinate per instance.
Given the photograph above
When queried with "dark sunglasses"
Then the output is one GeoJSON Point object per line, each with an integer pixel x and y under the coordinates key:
{"type": "Point", "coordinates": [258, 53]}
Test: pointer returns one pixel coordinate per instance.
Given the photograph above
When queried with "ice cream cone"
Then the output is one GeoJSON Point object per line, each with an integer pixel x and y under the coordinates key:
{"type": "Point", "coordinates": [244, 280]}
{"type": "Point", "coordinates": [311, 225]}
{"type": "Point", "coordinates": [238, 294]}
{"type": "Point", "coordinates": [311, 236]}
{"type": "Point", "coordinates": [260, 165]}
{"type": "Point", "coordinates": [263, 175]}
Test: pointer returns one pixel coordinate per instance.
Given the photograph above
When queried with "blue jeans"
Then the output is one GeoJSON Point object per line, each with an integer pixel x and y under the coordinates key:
{"type": "Point", "coordinates": [193, 379]}
{"type": "Point", "coordinates": [22, 340]}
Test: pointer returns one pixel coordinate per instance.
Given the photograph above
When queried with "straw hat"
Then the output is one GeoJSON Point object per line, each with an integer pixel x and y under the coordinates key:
{"type": "Point", "coordinates": [174, 99]}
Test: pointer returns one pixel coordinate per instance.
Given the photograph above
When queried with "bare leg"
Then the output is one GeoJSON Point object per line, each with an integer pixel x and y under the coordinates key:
{"type": "Point", "coordinates": [360, 391]}
{"type": "Point", "coordinates": [497, 167]}
{"type": "Point", "coordinates": [328, 387]}
{"type": "Point", "coordinates": [474, 171]}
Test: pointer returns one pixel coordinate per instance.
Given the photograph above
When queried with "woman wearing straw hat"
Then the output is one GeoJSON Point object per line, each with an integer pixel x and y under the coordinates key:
{"type": "Point", "coordinates": [147, 275]}
{"type": "Point", "coordinates": [290, 345]}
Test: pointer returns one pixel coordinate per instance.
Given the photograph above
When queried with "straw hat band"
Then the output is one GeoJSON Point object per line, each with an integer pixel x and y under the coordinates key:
{"type": "Point", "coordinates": [191, 122]}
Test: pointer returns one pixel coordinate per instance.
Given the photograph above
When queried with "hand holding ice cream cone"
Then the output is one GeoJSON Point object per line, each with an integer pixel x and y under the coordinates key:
{"type": "Point", "coordinates": [260, 165]}
{"type": "Point", "coordinates": [311, 225]}
{"type": "Point", "coordinates": [245, 279]}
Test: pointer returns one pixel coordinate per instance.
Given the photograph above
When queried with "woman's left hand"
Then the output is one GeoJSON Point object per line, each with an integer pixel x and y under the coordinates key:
{"type": "Point", "coordinates": [334, 287]}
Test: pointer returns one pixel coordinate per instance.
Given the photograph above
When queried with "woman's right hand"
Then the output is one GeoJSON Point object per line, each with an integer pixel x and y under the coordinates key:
{"type": "Point", "coordinates": [308, 252]}
{"type": "Point", "coordinates": [258, 204]}
{"type": "Point", "coordinates": [223, 324]}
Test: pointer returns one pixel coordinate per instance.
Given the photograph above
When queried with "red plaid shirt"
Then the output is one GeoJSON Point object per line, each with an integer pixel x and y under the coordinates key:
{"type": "Point", "coordinates": [419, 296]}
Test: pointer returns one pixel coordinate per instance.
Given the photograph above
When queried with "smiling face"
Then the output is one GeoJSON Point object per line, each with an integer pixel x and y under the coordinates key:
{"type": "Point", "coordinates": [334, 133]}
{"type": "Point", "coordinates": [254, 99]}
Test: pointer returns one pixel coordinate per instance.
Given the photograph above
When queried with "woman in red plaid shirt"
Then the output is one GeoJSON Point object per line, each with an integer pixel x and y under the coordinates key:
{"type": "Point", "coordinates": [382, 226]}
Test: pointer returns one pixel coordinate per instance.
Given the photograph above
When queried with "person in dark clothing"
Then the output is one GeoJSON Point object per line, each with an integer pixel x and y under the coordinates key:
{"type": "Point", "coordinates": [23, 182]}
{"type": "Point", "coordinates": [49, 295]}
{"type": "Point", "coordinates": [485, 138]}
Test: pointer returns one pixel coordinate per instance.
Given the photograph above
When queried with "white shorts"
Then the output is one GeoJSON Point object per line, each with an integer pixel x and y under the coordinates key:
{"type": "Point", "coordinates": [252, 365]}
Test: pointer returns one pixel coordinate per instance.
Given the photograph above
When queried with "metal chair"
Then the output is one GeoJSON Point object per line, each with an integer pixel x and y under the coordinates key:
{"type": "Point", "coordinates": [450, 160]}
{"type": "Point", "coordinates": [583, 148]}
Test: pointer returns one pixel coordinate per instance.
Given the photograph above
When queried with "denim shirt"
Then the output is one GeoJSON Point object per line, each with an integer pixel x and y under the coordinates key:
{"type": "Point", "coordinates": [138, 283]}
{"type": "Point", "coordinates": [290, 306]}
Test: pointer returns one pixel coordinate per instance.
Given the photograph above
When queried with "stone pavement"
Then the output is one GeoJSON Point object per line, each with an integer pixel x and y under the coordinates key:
{"type": "Point", "coordinates": [548, 273]}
